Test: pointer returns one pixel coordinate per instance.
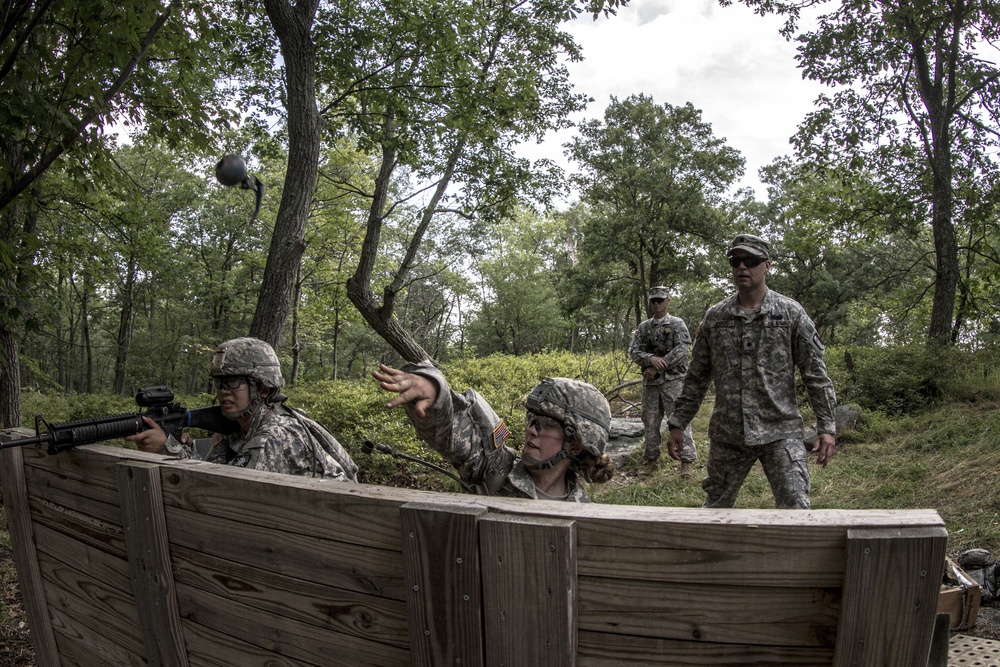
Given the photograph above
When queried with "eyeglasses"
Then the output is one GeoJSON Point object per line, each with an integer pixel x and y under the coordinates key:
{"type": "Point", "coordinates": [229, 383]}
{"type": "Point", "coordinates": [657, 300]}
{"type": "Point", "coordinates": [539, 422]}
{"type": "Point", "coordinates": [748, 262]}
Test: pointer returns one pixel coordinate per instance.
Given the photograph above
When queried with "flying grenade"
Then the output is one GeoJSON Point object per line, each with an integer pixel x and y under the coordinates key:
{"type": "Point", "coordinates": [231, 170]}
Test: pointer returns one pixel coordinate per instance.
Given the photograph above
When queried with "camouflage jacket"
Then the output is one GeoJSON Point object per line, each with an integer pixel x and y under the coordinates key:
{"type": "Point", "coordinates": [280, 439]}
{"type": "Point", "coordinates": [667, 338]}
{"type": "Point", "coordinates": [752, 361]}
{"type": "Point", "coordinates": [468, 433]}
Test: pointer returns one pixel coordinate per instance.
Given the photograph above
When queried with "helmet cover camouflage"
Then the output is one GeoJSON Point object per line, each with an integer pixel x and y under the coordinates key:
{"type": "Point", "coordinates": [248, 357]}
{"type": "Point", "coordinates": [576, 404]}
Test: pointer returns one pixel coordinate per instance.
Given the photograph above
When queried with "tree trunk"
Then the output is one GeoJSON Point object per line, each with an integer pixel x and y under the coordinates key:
{"type": "Point", "coordinates": [292, 26]}
{"type": "Point", "coordinates": [125, 324]}
{"type": "Point", "coordinates": [945, 244]}
{"type": "Point", "coordinates": [87, 381]}
{"type": "Point", "coordinates": [10, 379]}
{"type": "Point", "coordinates": [294, 375]}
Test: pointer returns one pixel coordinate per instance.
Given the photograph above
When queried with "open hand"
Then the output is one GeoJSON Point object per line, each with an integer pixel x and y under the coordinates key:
{"type": "Point", "coordinates": [412, 388]}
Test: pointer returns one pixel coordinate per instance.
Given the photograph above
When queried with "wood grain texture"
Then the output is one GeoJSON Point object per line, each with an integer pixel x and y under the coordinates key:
{"type": "Point", "coordinates": [443, 583]}
{"type": "Point", "coordinates": [890, 596]}
{"type": "Point", "coordinates": [529, 590]}
{"type": "Point", "coordinates": [19, 525]}
{"type": "Point", "coordinates": [149, 560]}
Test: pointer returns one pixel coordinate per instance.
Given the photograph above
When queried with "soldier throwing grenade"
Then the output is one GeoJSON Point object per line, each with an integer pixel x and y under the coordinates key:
{"type": "Point", "coordinates": [661, 347]}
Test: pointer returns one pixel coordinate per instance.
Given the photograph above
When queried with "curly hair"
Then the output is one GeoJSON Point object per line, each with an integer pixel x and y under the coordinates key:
{"type": "Point", "coordinates": [596, 469]}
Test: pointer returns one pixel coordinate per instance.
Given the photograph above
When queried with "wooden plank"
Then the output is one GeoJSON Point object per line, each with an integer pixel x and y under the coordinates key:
{"type": "Point", "coordinates": [111, 571]}
{"type": "Point", "coordinates": [301, 642]}
{"type": "Point", "coordinates": [105, 613]}
{"type": "Point", "coordinates": [349, 612]}
{"type": "Point", "coordinates": [355, 513]}
{"type": "Point", "coordinates": [149, 557]}
{"type": "Point", "coordinates": [597, 649]}
{"type": "Point", "coordinates": [92, 499]}
{"type": "Point", "coordinates": [529, 590]}
{"type": "Point", "coordinates": [209, 648]}
{"type": "Point", "coordinates": [709, 611]}
{"type": "Point", "coordinates": [92, 530]}
{"type": "Point", "coordinates": [763, 555]}
{"type": "Point", "coordinates": [351, 567]}
{"type": "Point", "coordinates": [890, 596]}
{"type": "Point", "coordinates": [93, 465]}
{"type": "Point", "coordinates": [81, 647]}
{"type": "Point", "coordinates": [443, 580]}
{"type": "Point", "coordinates": [17, 509]}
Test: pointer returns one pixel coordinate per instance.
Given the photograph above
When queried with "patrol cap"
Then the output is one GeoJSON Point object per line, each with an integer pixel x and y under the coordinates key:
{"type": "Point", "coordinates": [754, 245]}
{"type": "Point", "coordinates": [659, 292]}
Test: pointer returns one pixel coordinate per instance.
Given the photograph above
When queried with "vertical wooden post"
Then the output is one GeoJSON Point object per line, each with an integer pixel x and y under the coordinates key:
{"type": "Point", "coordinates": [22, 538]}
{"type": "Point", "coordinates": [149, 559]}
{"type": "Point", "coordinates": [891, 588]}
{"type": "Point", "coordinates": [441, 557]}
{"type": "Point", "coordinates": [529, 590]}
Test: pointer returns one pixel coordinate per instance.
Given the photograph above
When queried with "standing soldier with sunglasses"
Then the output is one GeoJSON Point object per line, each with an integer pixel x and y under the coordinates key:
{"type": "Point", "coordinates": [246, 374]}
{"type": "Point", "coordinates": [749, 345]}
{"type": "Point", "coordinates": [565, 434]}
{"type": "Point", "coordinates": [661, 347]}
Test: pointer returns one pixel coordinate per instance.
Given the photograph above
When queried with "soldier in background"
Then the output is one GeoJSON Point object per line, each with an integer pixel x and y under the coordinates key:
{"type": "Point", "coordinates": [565, 434]}
{"type": "Point", "coordinates": [749, 345]}
{"type": "Point", "coordinates": [661, 347]}
{"type": "Point", "coordinates": [271, 436]}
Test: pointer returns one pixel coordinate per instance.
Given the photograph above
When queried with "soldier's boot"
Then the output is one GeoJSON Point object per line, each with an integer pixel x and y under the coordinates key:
{"type": "Point", "coordinates": [687, 469]}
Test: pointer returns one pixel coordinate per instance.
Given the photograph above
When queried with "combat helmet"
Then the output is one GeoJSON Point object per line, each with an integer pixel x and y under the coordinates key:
{"type": "Point", "coordinates": [582, 409]}
{"type": "Point", "coordinates": [250, 357]}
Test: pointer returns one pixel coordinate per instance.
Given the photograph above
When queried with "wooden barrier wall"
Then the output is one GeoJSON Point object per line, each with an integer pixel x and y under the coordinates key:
{"type": "Point", "coordinates": [127, 558]}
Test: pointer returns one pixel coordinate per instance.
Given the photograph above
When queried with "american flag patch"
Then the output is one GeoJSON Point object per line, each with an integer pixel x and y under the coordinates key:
{"type": "Point", "coordinates": [500, 434]}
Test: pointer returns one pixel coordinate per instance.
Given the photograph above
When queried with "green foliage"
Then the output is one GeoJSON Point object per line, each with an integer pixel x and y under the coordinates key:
{"type": "Point", "coordinates": [908, 379]}
{"type": "Point", "coordinates": [654, 177]}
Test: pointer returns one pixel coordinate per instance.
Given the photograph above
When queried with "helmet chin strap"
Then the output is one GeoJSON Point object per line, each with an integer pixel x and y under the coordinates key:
{"type": "Point", "coordinates": [568, 433]}
{"type": "Point", "coordinates": [255, 400]}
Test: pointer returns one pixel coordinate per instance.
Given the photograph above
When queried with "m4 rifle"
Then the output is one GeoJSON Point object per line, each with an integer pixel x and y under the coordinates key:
{"type": "Point", "coordinates": [160, 407]}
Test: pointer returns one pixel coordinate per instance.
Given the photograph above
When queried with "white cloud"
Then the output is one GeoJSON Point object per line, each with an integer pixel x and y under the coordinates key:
{"type": "Point", "coordinates": [726, 61]}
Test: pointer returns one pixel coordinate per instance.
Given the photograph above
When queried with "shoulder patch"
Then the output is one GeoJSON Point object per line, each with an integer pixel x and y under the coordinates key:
{"type": "Point", "coordinates": [817, 343]}
{"type": "Point", "coordinates": [500, 434]}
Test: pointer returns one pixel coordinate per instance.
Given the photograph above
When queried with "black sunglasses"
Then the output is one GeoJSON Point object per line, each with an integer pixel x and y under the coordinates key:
{"type": "Point", "coordinates": [748, 262]}
{"type": "Point", "coordinates": [657, 300]}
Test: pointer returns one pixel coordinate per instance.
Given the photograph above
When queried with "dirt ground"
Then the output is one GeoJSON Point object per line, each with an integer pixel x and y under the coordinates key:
{"type": "Point", "coordinates": [987, 623]}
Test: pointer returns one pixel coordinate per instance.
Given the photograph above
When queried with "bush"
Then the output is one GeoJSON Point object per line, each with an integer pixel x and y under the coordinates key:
{"type": "Point", "coordinates": [908, 379]}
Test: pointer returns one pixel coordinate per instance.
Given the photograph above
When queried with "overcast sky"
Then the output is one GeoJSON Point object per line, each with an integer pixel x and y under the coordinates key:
{"type": "Point", "coordinates": [726, 61]}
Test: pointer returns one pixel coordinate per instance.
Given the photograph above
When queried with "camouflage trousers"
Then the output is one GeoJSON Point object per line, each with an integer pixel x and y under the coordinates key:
{"type": "Point", "coordinates": [784, 462]}
{"type": "Point", "coordinates": [657, 405]}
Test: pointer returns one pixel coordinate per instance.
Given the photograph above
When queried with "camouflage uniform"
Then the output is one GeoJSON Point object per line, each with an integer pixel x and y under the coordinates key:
{"type": "Point", "coordinates": [280, 438]}
{"type": "Point", "coordinates": [667, 338]}
{"type": "Point", "coordinates": [752, 358]}
{"type": "Point", "coordinates": [468, 433]}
